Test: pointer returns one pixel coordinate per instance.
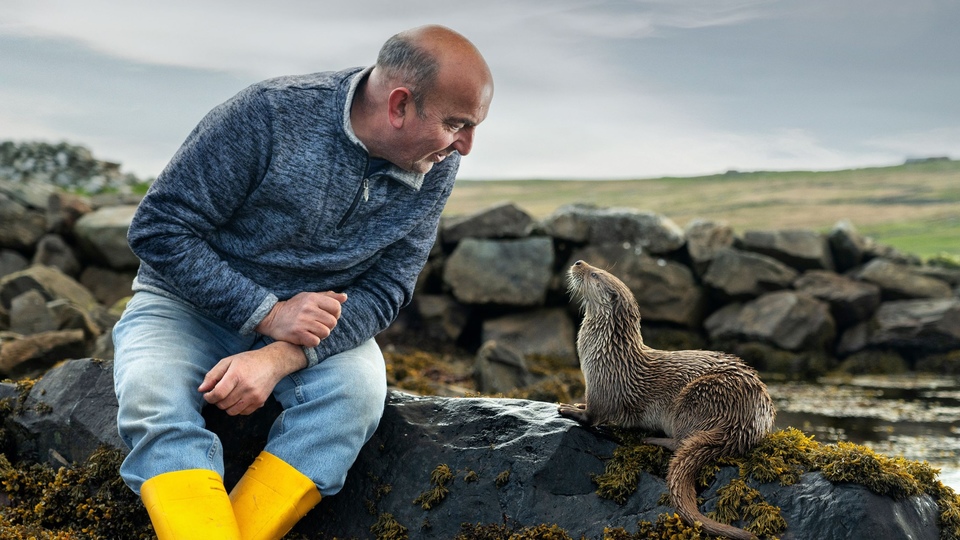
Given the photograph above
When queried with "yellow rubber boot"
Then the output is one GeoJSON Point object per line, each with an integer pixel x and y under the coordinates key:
{"type": "Point", "coordinates": [189, 505]}
{"type": "Point", "coordinates": [271, 497]}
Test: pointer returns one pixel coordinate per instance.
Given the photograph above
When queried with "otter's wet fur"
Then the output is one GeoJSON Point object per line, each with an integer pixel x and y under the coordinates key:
{"type": "Point", "coordinates": [708, 404]}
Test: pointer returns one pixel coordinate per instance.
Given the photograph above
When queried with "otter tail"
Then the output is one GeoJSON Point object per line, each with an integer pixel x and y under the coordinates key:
{"type": "Point", "coordinates": [692, 454]}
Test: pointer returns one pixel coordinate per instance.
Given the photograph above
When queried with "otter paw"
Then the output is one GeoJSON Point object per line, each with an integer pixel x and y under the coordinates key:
{"type": "Point", "coordinates": [576, 411]}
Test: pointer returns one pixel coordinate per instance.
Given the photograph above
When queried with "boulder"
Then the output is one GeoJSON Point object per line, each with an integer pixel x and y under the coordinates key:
{"type": "Point", "coordinates": [52, 250]}
{"type": "Point", "coordinates": [107, 286]}
{"type": "Point", "coordinates": [704, 239]}
{"type": "Point", "coordinates": [799, 249]}
{"type": "Point", "coordinates": [787, 319]}
{"type": "Point", "coordinates": [504, 272]}
{"type": "Point", "coordinates": [901, 282]}
{"type": "Point", "coordinates": [648, 231]}
{"type": "Point", "coordinates": [516, 462]}
{"type": "Point", "coordinates": [916, 327]}
{"type": "Point", "coordinates": [442, 317]}
{"type": "Point", "coordinates": [847, 246]}
{"type": "Point", "coordinates": [740, 275]}
{"type": "Point", "coordinates": [29, 314]}
{"type": "Point", "coordinates": [666, 290]}
{"type": "Point", "coordinates": [63, 211]}
{"type": "Point", "coordinates": [545, 332]}
{"type": "Point", "coordinates": [505, 220]}
{"type": "Point", "coordinates": [21, 225]}
{"type": "Point", "coordinates": [850, 301]}
{"type": "Point", "coordinates": [11, 261]}
{"type": "Point", "coordinates": [50, 281]}
{"type": "Point", "coordinates": [33, 355]}
{"type": "Point", "coordinates": [464, 461]}
{"type": "Point", "coordinates": [499, 369]}
{"type": "Point", "coordinates": [102, 235]}
{"type": "Point", "coordinates": [69, 412]}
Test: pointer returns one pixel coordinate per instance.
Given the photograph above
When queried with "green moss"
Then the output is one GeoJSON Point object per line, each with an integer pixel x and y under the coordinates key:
{"type": "Point", "coordinates": [502, 478]}
{"type": "Point", "coordinates": [440, 477]}
{"type": "Point", "coordinates": [667, 527]}
{"type": "Point", "coordinates": [79, 502]}
{"type": "Point", "coordinates": [388, 528]}
{"type": "Point", "coordinates": [783, 457]}
{"type": "Point", "coordinates": [470, 476]}
{"type": "Point", "coordinates": [622, 472]}
{"type": "Point", "coordinates": [502, 532]}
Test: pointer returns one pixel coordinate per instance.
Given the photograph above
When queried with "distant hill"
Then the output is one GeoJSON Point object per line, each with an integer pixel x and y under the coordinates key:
{"type": "Point", "coordinates": [914, 207]}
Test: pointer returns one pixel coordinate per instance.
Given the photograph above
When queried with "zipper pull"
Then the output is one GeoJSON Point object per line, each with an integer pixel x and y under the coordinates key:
{"type": "Point", "coordinates": [366, 189]}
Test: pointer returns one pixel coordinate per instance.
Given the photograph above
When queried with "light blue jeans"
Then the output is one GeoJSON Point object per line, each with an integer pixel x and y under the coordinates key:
{"type": "Point", "coordinates": [163, 349]}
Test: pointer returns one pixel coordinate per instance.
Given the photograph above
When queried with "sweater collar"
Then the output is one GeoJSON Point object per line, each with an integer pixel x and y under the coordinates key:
{"type": "Point", "coordinates": [407, 178]}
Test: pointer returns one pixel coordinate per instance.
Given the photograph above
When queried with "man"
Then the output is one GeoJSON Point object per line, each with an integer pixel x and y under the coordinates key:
{"type": "Point", "coordinates": [285, 233]}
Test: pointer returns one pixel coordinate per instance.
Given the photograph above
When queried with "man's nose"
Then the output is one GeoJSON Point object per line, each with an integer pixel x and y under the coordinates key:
{"type": "Point", "coordinates": [464, 142]}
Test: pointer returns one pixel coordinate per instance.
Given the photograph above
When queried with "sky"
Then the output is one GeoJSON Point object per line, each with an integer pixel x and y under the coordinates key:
{"type": "Point", "coordinates": [584, 89]}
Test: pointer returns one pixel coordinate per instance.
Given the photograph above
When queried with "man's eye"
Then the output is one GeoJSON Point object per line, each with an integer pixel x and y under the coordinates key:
{"type": "Point", "coordinates": [455, 127]}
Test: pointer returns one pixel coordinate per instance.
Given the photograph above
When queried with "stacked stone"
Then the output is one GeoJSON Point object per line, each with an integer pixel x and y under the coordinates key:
{"type": "Point", "coordinates": [796, 302]}
{"type": "Point", "coordinates": [64, 165]}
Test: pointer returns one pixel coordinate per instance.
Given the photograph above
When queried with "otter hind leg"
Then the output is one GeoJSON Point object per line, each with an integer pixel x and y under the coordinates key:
{"type": "Point", "coordinates": [666, 442]}
{"type": "Point", "coordinates": [577, 411]}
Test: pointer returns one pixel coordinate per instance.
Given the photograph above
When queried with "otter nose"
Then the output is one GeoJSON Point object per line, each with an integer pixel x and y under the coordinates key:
{"type": "Point", "coordinates": [578, 263]}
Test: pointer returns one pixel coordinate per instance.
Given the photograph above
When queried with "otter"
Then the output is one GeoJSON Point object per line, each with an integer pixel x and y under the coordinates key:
{"type": "Point", "coordinates": [708, 404]}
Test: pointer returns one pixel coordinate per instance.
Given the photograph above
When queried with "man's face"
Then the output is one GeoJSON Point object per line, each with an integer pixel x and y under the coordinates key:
{"type": "Point", "coordinates": [446, 125]}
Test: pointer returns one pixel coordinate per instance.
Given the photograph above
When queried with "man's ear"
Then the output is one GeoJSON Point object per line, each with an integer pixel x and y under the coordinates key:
{"type": "Point", "coordinates": [399, 103]}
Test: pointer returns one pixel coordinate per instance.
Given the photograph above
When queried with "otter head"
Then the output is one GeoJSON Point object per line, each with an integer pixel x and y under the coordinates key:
{"type": "Point", "coordinates": [600, 292]}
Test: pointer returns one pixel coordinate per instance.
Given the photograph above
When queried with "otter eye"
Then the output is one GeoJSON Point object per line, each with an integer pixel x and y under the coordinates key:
{"type": "Point", "coordinates": [593, 274]}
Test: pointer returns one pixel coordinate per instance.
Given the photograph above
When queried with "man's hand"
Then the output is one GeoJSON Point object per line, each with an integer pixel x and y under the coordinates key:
{"type": "Point", "coordinates": [304, 319]}
{"type": "Point", "coordinates": [241, 384]}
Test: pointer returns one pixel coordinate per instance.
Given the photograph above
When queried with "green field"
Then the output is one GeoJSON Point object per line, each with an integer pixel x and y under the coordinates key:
{"type": "Point", "coordinates": [915, 208]}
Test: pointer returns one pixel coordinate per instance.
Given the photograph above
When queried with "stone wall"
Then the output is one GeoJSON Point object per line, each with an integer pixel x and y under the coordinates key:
{"type": "Point", "coordinates": [794, 301]}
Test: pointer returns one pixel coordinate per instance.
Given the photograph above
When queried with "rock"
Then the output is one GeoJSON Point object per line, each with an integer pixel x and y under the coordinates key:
{"type": "Point", "coordinates": [61, 164]}
{"type": "Point", "coordinates": [11, 261]}
{"type": "Point", "coordinates": [69, 412]}
{"type": "Point", "coordinates": [787, 319]}
{"type": "Point", "coordinates": [651, 232]}
{"type": "Point", "coordinates": [530, 466]}
{"type": "Point", "coordinates": [50, 281]}
{"type": "Point", "coordinates": [20, 225]}
{"type": "Point", "coordinates": [32, 355]}
{"type": "Point", "coordinates": [107, 286]}
{"type": "Point", "coordinates": [499, 369]}
{"type": "Point", "coordinates": [916, 327]}
{"type": "Point", "coordinates": [550, 462]}
{"type": "Point", "coordinates": [901, 282]}
{"type": "Point", "coordinates": [850, 301]}
{"type": "Point", "coordinates": [103, 236]}
{"type": "Point", "coordinates": [871, 362]}
{"type": "Point", "coordinates": [29, 314]}
{"type": "Point", "coordinates": [52, 250]}
{"type": "Point", "coordinates": [665, 290]}
{"type": "Point", "coordinates": [504, 272]}
{"type": "Point", "coordinates": [846, 245]}
{"type": "Point", "coordinates": [546, 333]}
{"type": "Point", "coordinates": [63, 211]}
{"type": "Point", "coordinates": [504, 220]}
{"type": "Point", "coordinates": [799, 249]}
{"type": "Point", "coordinates": [740, 275]}
{"type": "Point", "coordinates": [704, 239]}
{"type": "Point", "coordinates": [443, 318]}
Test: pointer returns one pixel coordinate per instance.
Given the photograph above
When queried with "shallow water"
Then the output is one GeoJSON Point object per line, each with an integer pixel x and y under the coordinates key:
{"type": "Point", "coordinates": [914, 416]}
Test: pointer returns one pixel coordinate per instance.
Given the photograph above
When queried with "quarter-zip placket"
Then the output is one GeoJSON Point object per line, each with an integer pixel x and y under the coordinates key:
{"type": "Point", "coordinates": [362, 193]}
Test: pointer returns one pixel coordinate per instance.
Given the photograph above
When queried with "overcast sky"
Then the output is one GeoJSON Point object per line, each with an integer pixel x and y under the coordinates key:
{"type": "Point", "coordinates": [602, 89]}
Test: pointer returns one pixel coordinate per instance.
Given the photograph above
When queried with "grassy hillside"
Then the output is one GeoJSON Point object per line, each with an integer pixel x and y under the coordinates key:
{"type": "Point", "coordinates": [915, 207]}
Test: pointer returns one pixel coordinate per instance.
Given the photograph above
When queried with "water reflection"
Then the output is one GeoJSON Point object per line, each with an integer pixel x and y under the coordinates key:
{"type": "Point", "coordinates": [914, 416]}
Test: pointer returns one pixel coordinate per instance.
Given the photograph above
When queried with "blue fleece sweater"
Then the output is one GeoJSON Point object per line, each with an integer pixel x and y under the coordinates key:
{"type": "Point", "coordinates": [269, 196]}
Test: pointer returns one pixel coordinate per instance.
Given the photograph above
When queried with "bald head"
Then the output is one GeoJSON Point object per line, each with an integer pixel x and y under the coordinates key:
{"type": "Point", "coordinates": [427, 57]}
